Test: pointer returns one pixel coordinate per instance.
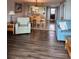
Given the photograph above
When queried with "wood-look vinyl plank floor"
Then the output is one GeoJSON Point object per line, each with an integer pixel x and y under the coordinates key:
{"type": "Point", "coordinates": [39, 44]}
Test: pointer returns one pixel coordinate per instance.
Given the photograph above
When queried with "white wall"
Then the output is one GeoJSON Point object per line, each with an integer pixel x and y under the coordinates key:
{"type": "Point", "coordinates": [67, 9]}
{"type": "Point", "coordinates": [25, 10]}
{"type": "Point", "coordinates": [60, 11]}
{"type": "Point", "coordinates": [11, 7]}
{"type": "Point", "coordinates": [48, 13]}
{"type": "Point", "coordinates": [56, 13]}
{"type": "Point", "coordinates": [64, 10]}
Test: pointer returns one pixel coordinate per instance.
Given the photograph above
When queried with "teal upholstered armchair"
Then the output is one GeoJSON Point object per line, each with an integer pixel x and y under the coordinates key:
{"type": "Point", "coordinates": [23, 25]}
{"type": "Point", "coordinates": [63, 29]}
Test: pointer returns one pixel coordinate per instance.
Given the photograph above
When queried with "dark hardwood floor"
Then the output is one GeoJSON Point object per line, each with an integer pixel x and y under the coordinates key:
{"type": "Point", "coordinates": [37, 45]}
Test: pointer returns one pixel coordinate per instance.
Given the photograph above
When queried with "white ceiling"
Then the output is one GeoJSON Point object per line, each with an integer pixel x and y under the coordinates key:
{"type": "Point", "coordinates": [52, 3]}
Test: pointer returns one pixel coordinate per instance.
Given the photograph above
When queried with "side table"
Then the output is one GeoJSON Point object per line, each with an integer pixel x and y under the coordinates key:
{"type": "Point", "coordinates": [11, 27]}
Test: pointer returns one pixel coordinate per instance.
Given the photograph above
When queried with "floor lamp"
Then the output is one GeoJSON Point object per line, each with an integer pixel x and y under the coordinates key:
{"type": "Point", "coordinates": [11, 13]}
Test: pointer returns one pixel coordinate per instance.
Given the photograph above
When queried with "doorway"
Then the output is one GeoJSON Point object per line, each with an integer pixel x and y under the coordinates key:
{"type": "Point", "coordinates": [52, 14]}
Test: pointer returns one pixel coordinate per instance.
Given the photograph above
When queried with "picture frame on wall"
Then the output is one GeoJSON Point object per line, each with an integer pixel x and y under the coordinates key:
{"type": "Point", "coordinates": [18, 7]}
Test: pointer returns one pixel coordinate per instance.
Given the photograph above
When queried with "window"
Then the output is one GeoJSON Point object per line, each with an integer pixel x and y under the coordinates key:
{"type": "Point", "coordinates": [52, 10]}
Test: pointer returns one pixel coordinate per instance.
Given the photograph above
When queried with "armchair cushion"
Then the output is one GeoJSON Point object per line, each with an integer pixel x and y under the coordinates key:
{"type": "Point", "coordinates": [63, 25]}
{"type": "Point", "coordinates": [23, 25]}
{"type": "Point", "coordinates": [22, 20]}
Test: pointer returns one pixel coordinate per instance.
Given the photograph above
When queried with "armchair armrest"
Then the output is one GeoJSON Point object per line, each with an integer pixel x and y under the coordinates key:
{"type": "Point", "coordinates": [29, 25]}
{"type": "Point", "coordinates": [16, 26]}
